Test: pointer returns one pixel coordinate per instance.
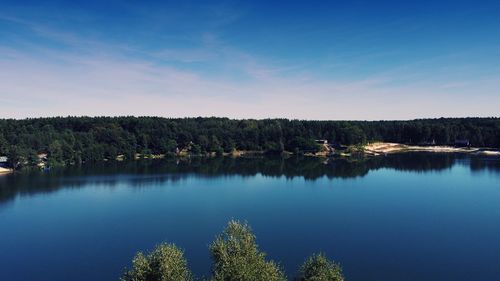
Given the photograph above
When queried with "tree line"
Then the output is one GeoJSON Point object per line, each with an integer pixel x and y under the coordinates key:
{"type": "Point", "coordinates": [68, 140]}
{"type": "Point", "coordinates": [236, 257]}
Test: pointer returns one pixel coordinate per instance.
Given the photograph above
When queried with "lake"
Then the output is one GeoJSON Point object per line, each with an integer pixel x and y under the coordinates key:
{"type": "Point", "coordinates": [418, 216]}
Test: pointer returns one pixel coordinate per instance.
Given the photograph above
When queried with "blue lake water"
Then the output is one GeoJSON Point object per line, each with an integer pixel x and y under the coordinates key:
{"type": "Point", "coordinates": [401, 217]}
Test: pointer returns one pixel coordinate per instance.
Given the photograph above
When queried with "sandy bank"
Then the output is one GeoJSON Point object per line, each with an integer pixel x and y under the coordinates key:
{"type": "Point", "coordinates": [381, 148]}
{"type": "Point", "coordinates": [5, 170]}
{"type": "Point", "coordinates": [489, 152]}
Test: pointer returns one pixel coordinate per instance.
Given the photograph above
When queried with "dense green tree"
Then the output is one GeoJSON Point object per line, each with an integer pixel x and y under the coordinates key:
{"type": "Point", "coordinates": [4, 145]}
{"type": "Point", "coordinates": [16, 156]}
{"type": "Point", "coordinates": [319, 268]}
{"type": "Point", "coordinates": [236, 257]}
{"type": "Point", "coordinates": [272, 147]}
{"type": "Point", "coordinates": [229, 145]}
{"type": "Point", "coordinates": [165, 263]}
{"type": "Point", "coordinates": [195, 149]}
{"type": "Point", "coordinates": [303, 144]}
{"type": "Point", "coordinates": [32, 158]}
{"type": "Point", "coordinates": [55, 153]}
{"type": "Point", "coordinates": [169, 146]}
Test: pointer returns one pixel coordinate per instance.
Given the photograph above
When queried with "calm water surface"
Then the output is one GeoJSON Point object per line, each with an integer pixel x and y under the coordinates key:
{"type": "Point", "coordinates": [401, 217]}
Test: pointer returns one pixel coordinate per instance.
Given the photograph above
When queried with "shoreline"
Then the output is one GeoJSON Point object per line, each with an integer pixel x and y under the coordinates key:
{"type": "Point", "coordinates": [4, 171]}
{"type": "Point", "coordinates": [370, 150]}
{"type": "Point", "coordinates": [383, 148]}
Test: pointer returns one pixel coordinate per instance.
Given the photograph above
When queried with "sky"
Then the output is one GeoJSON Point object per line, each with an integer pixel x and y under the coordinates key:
{"type": "Point", "coordinates": [327, 60]}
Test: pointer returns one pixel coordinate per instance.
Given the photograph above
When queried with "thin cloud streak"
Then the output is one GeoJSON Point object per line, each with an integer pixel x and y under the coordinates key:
{"type": "Point", "coordinates": [98, 78]}
{"type": "Point", "coordinates": [110, 85]}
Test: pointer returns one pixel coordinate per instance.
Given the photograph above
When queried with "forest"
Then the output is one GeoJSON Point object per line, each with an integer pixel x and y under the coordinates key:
{"type": "Point", "coordinates": [70, 140]}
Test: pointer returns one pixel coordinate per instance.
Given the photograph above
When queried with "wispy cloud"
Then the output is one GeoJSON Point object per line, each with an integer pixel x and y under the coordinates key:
{"type": "Point", "coordinates": [212, 78]}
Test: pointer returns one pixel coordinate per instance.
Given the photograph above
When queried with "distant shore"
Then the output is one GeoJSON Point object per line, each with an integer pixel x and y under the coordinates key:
{"type": "Point", "coordinates": [383, 148]}
{"type": "Point", "coordinates": [369, 150]}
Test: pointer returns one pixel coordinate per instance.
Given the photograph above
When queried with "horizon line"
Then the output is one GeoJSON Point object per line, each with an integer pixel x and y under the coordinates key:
{"type": "Point", "coordinates": [242, 119]}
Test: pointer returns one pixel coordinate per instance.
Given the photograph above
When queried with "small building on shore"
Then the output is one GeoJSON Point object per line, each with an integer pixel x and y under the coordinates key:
{"type": "Point", "coordinates": [3, 161]}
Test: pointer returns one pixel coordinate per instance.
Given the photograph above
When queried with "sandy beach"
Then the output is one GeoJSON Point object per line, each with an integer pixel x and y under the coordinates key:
{"type": "Point", "coordinates": [5, 170]}
{"type": "Point", "coordinates": [382, 148]}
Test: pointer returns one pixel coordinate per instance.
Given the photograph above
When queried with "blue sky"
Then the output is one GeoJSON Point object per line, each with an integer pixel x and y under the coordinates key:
{"type": "Point", "coordinates": [364, 60]}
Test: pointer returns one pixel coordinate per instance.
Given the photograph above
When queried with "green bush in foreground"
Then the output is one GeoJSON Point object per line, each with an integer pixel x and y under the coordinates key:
{"type": "Point", "coordinates": [165, 263]}
{"type": "Point", "coordinates": [236, 257]}
{"type": "Point", "coordinates": [319, 268]}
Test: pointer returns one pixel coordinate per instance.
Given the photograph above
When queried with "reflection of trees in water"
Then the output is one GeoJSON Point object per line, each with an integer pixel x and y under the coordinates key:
{"type": "Point", "coordinates": [485, 164]}
{"type": "Point", "coordinates": [155, 172]}
{"type": "Point", "coordinates": [417, 162]}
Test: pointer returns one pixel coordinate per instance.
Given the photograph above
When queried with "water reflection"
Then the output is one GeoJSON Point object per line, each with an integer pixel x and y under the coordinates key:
{"type": "Point", "coordinates": [148, 172]}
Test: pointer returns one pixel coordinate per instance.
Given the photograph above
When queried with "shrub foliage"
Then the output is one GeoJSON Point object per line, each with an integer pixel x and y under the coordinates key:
{"type": "Point", "coordinates": [318, 268]}
{"type": "Point", "coordinates": [165, 263]}
{"type": "Point", "coordinates": [236, 257]}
